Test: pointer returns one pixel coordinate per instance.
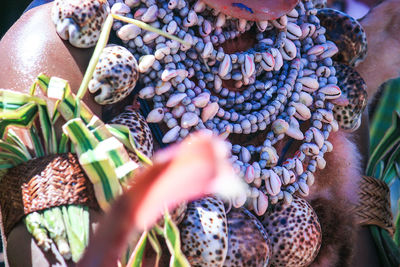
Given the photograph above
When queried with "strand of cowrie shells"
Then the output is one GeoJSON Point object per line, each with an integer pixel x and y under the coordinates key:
{"type": "Point", "coordinates": [289, 77]}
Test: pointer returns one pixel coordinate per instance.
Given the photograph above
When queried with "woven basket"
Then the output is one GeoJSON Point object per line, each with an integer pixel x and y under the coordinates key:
{"type": "Point", "coordinates": [40, 184]}
{"type": "Point", "coordinates": [374, 206]}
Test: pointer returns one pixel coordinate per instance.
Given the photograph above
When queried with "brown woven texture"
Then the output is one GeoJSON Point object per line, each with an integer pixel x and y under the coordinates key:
{"type": "Point", "coordinates": [43, 183]}
{"type": "Point", "coordinates": [374, 206]}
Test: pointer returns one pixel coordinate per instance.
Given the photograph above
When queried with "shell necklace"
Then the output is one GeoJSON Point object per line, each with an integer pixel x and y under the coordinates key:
{"type": "Point", "coordinates": [285, 79]}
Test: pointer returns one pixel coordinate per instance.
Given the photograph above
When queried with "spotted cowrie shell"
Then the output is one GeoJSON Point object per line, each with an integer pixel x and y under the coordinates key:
{"type": "Point", "coordinates": [80, 21]}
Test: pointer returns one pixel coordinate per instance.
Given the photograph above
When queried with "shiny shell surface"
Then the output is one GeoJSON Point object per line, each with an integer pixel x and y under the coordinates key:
{"type": "Point", "coordinates": [140, 131]}
{"type": "Point", "coordinates": [347, 33]}
{"type": "Point", "coordinates": [204, 233]}
{"type": "Point", "coordinates": [295, 233]}
{"type": "Point", "coordinates": [80, 21]}
{"type": "Point", "coordinates": [115, 75]}
{"type": "Point", "coordinates": [248, 244]}
{"type": "Point", "coordinates": [354, 90]}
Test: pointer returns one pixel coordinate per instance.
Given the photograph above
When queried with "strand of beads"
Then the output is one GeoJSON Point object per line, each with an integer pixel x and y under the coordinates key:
{"type": "Point", "coordinates": [285, 78]}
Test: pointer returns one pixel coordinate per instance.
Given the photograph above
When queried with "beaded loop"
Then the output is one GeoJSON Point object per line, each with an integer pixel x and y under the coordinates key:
{"type": "Point", "coordinates": [285, 79]}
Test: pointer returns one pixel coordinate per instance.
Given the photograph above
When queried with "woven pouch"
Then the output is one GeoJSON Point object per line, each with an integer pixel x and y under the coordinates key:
{"type": "Point", "coordinates": [43, 183]}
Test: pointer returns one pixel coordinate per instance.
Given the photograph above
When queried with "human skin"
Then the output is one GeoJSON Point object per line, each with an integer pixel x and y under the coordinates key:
{"type": "Point", "coordinates": [32, 46]}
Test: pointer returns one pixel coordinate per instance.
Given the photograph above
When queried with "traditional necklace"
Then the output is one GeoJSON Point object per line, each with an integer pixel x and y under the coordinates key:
{"type": "Point", "coordinates": [286, 78]}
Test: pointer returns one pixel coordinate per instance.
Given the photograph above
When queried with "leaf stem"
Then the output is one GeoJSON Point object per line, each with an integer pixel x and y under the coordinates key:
{"type": "Point", "coordinates": [149, 28]}
{"type": "Point", "coordinates": [103, 39]}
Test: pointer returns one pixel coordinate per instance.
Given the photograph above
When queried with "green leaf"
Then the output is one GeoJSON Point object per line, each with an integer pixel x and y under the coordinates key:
{"type": "Point", "coordinates": [14, 149]}
{"type": "Point", "coordinates": [63, 144]}
{"type": "Point", "coordinates": [11, 100]}
{"type": "Point", "coordinates": [101, 172]}
{"type": "Point", "coordinates": [54, 223]}
{"type": "Point", "coordinates": [16, 160]}
{"type": "Point", "coordinates": [35, 226]}
{"type": "Point", "coordinates": [392, 250]}
{"type": "Point", "coordinates": [124, 135]}
{"type": "Point", "coordinates": [13, 138]}
{"type": "Point", "coordinates": [80, 136]}
{"type": "Point", "coordinates": [382, 119]}
{"type": "Point", "coordinates": [49, 134]}
{"type": "Point", "coordinates": [5, 164]}
{"type": "Point", "coordinates": [393, 157]}
{"type": "Point", "coordinates": [172, 238]}
{"type": "Point", "coordinates": [379, 243]}
{"type": "Point", "coordinates": [23, 116]}
{"type": "Point", "coordinates": [37, 144]}
{"type": "Point", "coordinates": [76, 220]}
{"type": "Point", "coordinates": [390, 140]}
{"type": "Point", "coordinates": [155, 244]}
{"type": "Point", "coordinates": [396, 236]}
{"type": "Point", "coordinates": [66, 106]}
{"type": "Point", "coordinates": [136, 258]}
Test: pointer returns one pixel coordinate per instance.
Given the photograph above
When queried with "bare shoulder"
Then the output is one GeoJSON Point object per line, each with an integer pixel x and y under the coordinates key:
{"type": "Point", "coordinates": [32, 46]}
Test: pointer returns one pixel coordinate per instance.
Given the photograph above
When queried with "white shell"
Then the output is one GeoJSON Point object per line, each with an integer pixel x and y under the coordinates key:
{"type": "Point", "coordinates": [208, 49]}
{"type": "Point", "coordinates": [273, 184]}
{"type": "Point", "coordinates": [318, 137]}
{"type": "Point", "coordinates": [120, 8]}
{"type": "Point", "coordinates": [296, 233]}
{"type": "Point", "coordinates": [148, 37]}
{"type": "Point", "coordinates": [132, 3]}
{"type": "Point", "coordinates": [262, 25]}
{"type": "Point", "coordinates": [316, 50]}
{"type": "Point", "coordinates": [171, 135]}
{"type": "Point", "coordinates": [307, 29]}
{"type": "Point", "coordinates": [80, 22]}
{"type": "Point", "coordinates": [147, 92]}
{"type": "Point", "coordinates": [209, 111]}
{"type": "Point", "coordinates": [278, 59]}
{"type": "Point", "coordinates": [191, 19]}
{"type": "Point", "coordinates": [145, 62]}
{"type": "Point", "coordinates": [269, 61]}
{"type": "Point", "coordinates": [172, 26]}
{"type": "Point", "coordinates": [225, 67]}
{"type": "Point", "coordinates": [201, 100]}
{"type": "Point", "coordinates": [331, 91]}
{"type": "Point", "coordinates": [189, 119]}
{"type": "Point", "coordinates": [175, 99]}
{"type": "Point", "coordinates": [298, 166]}
{"type": "Point", "coordinates": [280, 126]}
{"type": "Point", "coordinates": [304, 190]}
{"type": "Point", "coordinates": [309, 149]}
{"type": "Point", "coordinates": [309, 84]}
{"type": "Point", "coordinates": [162, 87]}
{"type": "Point", "coordinates": [245, 155]}
{"type": "Point", "coordinates": [288, 50]}
{"type": "Point", "coordinates": [249, 175]}
{"type": "Point", "coordinates": [248, 243]}
{"type": "Point", "coordinates": [293, 31]}
{"type": "Point", "coordinates": [151, 14]}
{"type": "Point", "coordinates": [249, 66]}
{"type": "Point", "coordinates": [128, 32]}
{"type": "Point", "coordinates": [178, 111]}
{"type": "Point", "coordinates": [302, 111]}
{"type": "Point", "coordinates": [155, 116]}
{"type": "Point", "coordinates": [260, 204]}
{"type": "Point", "coordinates": [115, 75]}
{"type": "Point", "coordinates": [204, 232]}
{"type": "Point", "coordinates": [306, 99]}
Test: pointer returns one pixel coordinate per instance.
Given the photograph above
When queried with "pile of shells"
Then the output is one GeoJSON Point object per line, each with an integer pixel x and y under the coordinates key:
{"type": "Point", "coordinates": [286, 78]}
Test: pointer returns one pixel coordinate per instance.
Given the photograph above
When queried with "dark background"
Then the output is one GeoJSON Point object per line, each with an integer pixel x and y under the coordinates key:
{"type": "Point", "coordinates": [10, 11]}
